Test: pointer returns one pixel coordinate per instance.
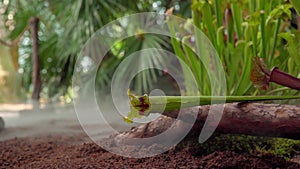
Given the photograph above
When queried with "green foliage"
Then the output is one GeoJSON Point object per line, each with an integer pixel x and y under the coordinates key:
{"type": "Point", "coordinates": [226, 142]}
{"type": "Point", "coordinates": [144, 80]}
{"type": "Point", "coordinates": [65, 27]}
{"type": "Point", "coordinates": [280, 147]}
{"type": "Point", "coordinates": [244, 34]}
{"type": "Point", "coordinates": [239, 30]}
{"type": "Point", "coordinates": [255, 145]}
{"type": "Point", "coordinates": [296, 5]}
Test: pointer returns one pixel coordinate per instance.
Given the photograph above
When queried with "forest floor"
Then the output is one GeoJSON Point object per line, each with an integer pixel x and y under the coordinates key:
{"type": "Point", "coordinates": [58, 141]}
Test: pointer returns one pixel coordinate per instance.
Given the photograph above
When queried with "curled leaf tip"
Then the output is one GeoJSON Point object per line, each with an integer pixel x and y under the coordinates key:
{"type": "Point", "coordinates": [260, 75]}
{"type": "Point", "coordinates": [139, 106]}
{"type": "Point", "coordinates": [140, 103]}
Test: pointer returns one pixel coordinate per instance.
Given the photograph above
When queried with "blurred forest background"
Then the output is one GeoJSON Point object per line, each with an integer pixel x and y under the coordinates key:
{"type": "Point", "coordinates": [64, 28]}
{"type": "Point", "coordinates": [237, 29]}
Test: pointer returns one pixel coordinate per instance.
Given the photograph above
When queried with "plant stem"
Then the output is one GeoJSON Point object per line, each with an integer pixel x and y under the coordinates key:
{"type": "Point", "coordinates": [170, 103]}
{"type": "Point", "coordinates": [252, 6]}
{"type": "Point", "coordinates": [284, 79]}
{"type": "Point", "coordinates": [207, 20]}
{"type": "Point", "coordinates": [229, 24]}
{"type": "Point", "coordinates": [243, 83]}
{"type": "Point", "coordinates": [218, 12]}
{"type": "Point", "coordinates": [275, 37]}
{"type": "Point", "coordinates": [144, 105]}
{"type": "Point", "coordinates": [238, 20]}
{"type": "Point", "coordinates": [263, 34]}
{"type": "Point", "coordinates": [254, 36]}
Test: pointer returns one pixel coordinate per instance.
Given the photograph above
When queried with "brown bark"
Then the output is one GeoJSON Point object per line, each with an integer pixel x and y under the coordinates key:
{"type": "Point", "coordinates": [35, 59]}
{"type": "Point", "coordinates": [258, 119]}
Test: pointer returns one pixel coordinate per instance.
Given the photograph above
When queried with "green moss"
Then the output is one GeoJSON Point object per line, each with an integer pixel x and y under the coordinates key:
{"type": "Point", "coordinates": [243, 144]}
{"type": "Point", "coordinates": [281, 147]}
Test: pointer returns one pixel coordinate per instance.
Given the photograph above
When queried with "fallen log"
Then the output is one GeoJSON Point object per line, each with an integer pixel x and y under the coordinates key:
{"type": "Point", "coordinates": [257, 119]}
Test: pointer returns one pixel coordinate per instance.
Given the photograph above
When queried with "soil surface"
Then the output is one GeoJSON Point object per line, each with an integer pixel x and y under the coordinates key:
{"type": "Point", "coordinates": [53, 138]}
{"type": "Point", "coordinates": [58, 151]}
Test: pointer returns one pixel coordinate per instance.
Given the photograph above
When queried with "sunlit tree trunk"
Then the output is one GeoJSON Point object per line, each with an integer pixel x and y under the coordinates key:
{"type": "Point", "coordinates": [35, 59]}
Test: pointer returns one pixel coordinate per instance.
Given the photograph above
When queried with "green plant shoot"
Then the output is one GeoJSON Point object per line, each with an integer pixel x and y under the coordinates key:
{"type": "Point", "coordinates": [141, 106]}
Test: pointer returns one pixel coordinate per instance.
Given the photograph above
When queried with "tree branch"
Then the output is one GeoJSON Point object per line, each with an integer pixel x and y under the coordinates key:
{"type": "Point", "coordinates": [258, 119]}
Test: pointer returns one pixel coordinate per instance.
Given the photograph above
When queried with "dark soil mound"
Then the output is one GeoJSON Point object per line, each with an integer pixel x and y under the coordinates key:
{"type": "Point", "coordinates": [70, 152]}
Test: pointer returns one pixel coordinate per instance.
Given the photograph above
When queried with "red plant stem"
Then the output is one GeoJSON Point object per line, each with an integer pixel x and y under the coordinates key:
{"type": "Point", "coordinates": [282, 78]}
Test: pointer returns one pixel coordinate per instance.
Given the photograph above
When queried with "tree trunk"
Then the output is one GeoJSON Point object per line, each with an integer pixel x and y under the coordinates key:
{"type": "Point", "coordinates": [258, 119]}
{"type": "Point", "coordinates": [35, 59]}
{"type": "Point", "coordinates": [1, 123]}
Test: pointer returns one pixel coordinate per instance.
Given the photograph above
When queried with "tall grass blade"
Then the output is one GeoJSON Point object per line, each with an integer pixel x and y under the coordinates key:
{"type": "Point", "coordinates": [218, 12]}
{"type": "Point", "coordinates": [238, 19]}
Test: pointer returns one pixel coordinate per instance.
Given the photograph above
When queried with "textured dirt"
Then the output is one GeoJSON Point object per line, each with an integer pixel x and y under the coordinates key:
{"type": "Point", "coordinates": [57, 151]}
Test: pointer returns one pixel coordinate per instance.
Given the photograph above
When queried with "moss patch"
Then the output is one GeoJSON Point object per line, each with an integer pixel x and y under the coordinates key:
{"type": "Point", "coordinates": [254, 145]}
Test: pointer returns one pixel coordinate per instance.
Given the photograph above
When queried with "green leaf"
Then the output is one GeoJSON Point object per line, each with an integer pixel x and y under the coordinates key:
{"type": "Point", "coordinates": [291, 46]}
{"type": "Point", "coordinates": [296, 4]}
{"type": "Point", "coordinates": [282, 12]}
